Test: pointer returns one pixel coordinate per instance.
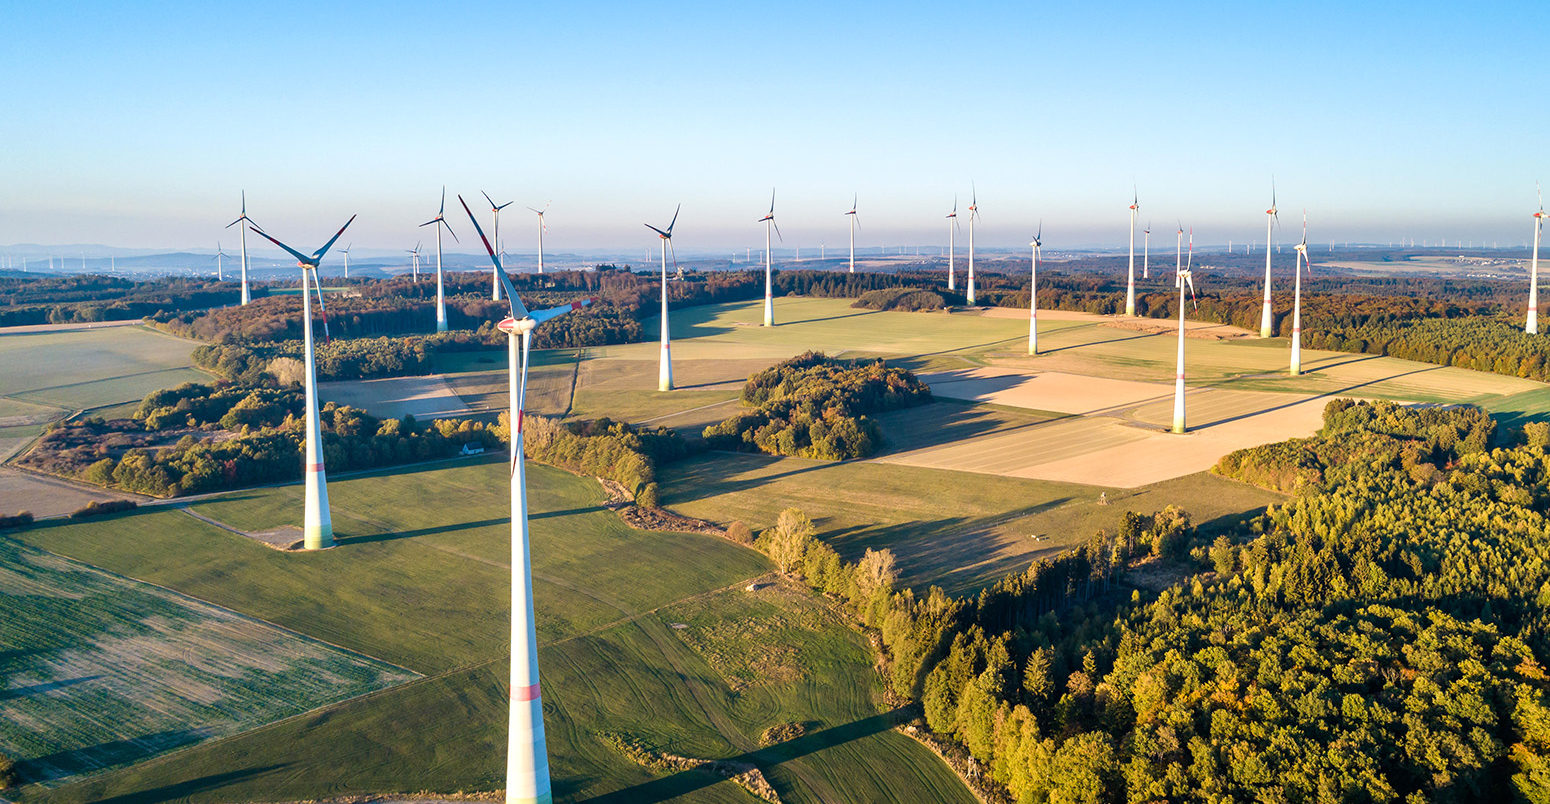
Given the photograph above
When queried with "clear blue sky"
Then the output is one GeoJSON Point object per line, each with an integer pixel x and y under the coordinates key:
{"type": "Point", "coordinates": [137, 124]}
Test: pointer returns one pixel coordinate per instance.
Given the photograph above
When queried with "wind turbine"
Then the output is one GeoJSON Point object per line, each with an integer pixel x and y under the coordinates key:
{"type": "Point", "coordinates": [1033, 293]}
{"type": "Point", "coordinates": [1302, 256]}
{"type": "Point", "coordinates": [1182, 278]}
{"type": "Point", "coordinates": [346, 252]}
{"type": "Point", "coordinates": [415, 252]}
{"type": "Point", "coordinates": [317, 525]}
{"type": "Point", "coordinates": [246, 296]}
{"type": "Point", "coordinates": [665, 367]}
{"type": "Point", "coordinates": [769, 288]}
{"type": "Point", "coordinates": [527, 757]}
{"type": "Point", "coordinates": [220, 273]}
{"type": "Point", "coordinates": [1130, 287]}
{"type": "Point", "coordinates": [1271, 218]}
{"type": "Point", "coordinates": [495, 209]}
{"type": "Point", "coordinates": [854, 222]}
{"type": "Point", "coordinates": [974, 212]}
{"type": "Point", "coordinates": [542, 227]}
{"type": "Point", "coordinates": [952, 226]}
{"type": "Point", "coordinates": [1532, 324]}
{"type": "Point", "coordinates": [441, 297]}
{"type": "Point", "coordinates": [1146, 251]}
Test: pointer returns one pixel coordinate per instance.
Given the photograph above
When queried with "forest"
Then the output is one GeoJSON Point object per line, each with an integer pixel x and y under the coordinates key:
{"type": "Point", "coordinates": [88, 298]}
{"type": "Point", "coordinates": [815, 406]}
{"type": "Point", "coordinates": [1381, 636]}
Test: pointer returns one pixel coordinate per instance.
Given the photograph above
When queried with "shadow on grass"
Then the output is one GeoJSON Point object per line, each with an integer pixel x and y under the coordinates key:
{"type": "Point", "coordinates": [684, 782]}
{"type": "Point", "coordinates": [947, 421]}
{"type": "Point", "coordinates": [103, 755]}
{"type": "Point", "coordinates": [1325, 395]}
{"type": "Point", "coordinates": [180, 789]}
{"type": "Point", "coordinates": [39, 689]}
{"type": "Point", "coordinates": [708, 478]}
{"type": "Point", "coordinates": [1121, 339]}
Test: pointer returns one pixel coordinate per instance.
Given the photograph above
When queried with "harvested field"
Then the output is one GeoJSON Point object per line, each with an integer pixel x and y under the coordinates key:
{"type": "Point", "coordinates": [98, 671]}
{"type": "Point", "coordinates": [1044, 390]}
{"type": "Point", "coordinates": [47, 496]}
{"type": "Point", "coordinates": [424, 398]}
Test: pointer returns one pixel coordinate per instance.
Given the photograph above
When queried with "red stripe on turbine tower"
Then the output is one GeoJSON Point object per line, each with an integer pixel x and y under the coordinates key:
{"type": "Point", "coordinates": [314, 467]}
{"type": "Point", "coordinates": [528, 693]}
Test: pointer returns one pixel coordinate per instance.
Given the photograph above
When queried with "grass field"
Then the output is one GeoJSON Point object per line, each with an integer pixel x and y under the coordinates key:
{"type": "Point", "coordinates": [98, 670]}
{"type": "Point", "coordinates": [93, 367]}
{"type": "Point", "coordinates": [426, 589]}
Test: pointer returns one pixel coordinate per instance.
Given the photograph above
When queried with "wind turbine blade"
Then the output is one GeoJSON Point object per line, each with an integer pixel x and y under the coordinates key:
{"type": "Point", "coordinates": [777, 230]}
{"type": "Point", "coordinates": [675, 219]}
{"type": "Point", "coordinates": [449, 230]}
{"type": "Point", "coordinates": [772, 200]}
{"type": "Point", "coordinates": [486, 197]}
{"type": "Point", "coordinates": [480, 230]}
{"type": "Point", "coordinates": [318, 255]}
{"type": "Point", "coordinates": [443, 210]}
{"type": "Point", "coordinates": [429, 222]}
{"type": "Point", "coordinates": [518, 311]}
{"type": "Point", "coordinates": [293, 252]}
{"type": "Point", "coordinates": [674, 253]}
{"type": "Point", "coordinates": [857, 219]}
{"type": "Point", "coordinates": [541, 316]}
{"type": "Point", "coordinates": [662, 234]}
{"type": "Point", "coordinates": [317, 285]}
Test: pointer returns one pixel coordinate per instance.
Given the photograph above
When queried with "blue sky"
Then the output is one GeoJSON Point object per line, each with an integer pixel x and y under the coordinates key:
{"type": "Point", "coordinates": [138, 126]}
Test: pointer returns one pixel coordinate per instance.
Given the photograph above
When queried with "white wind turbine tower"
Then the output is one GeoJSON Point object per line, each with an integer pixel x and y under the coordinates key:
{"type": "Point", "coordinates": [1130, 287]}
{"type": "Point", "coordinates": [1531, 326]}
{"type": "Point", "coordinates": [1184, 277]}
{"type": "Point", "coordinates": [542, 227]}
{"type": "Point", "coordinates": [665, 366]}
{"type": "Point", "coordinates": [441, 296]}
{"type": "Point", "coordinates": [854, 221]}
{"type": "Point", "coordinates": [527, 756]}
{"type": "Point", "coordinates": [769, 287]}
{"type": "Point", "coordinates": [1302, 256]}
{"type": "Point", "coordinates": [415, 254]}
{"type": "Point", "coordinates": [1271, 218]}
{"type": "Point", "coordinates": [346, 252]}
{"type": "Point", "coordinates": [246, 296]}
{"type": "Point", "coordinates": [1033, 293]}
{"type": "Point", "coordinates": [952, 227]}
{"type": "Point", "coordinates": [495, 209]}
{"type": "Point", "coordinates": [974, 212]}
{"type": "Point", "coordinates": [317, 524]}
{"type": "Point", "coordinates": [220, 272]}
{"type": "Point", "coordinates": [1146, 251]}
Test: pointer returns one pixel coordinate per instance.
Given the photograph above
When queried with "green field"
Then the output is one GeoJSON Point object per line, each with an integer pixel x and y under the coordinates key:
{"type": "Point", "coordinates": [426, 590]}
{"type": "Point", "coordinates": [98, 670]}
{"type": "Point", "coordinates": [88, 368]}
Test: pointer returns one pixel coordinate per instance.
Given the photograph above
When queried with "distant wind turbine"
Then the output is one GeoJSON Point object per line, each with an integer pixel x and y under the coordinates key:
{"type": "Point", "coordinates": [854, 222]}
{"type": "Point", "coordinates": [1146, 251]}
{"type": "Point", "coordinates": [1271, 218]}
{"type": "Point", "coordinates": [317, 524]}
{"type": "Point", "coordinates": [769, 272]}
{"type": "Point", "coordinates": [495, 209]}
{"type": "Point", "coordinates": [441, 296]}
{"type": "Point", "coordinates": [542, 227]}
{"type": "Point", "coordinates": [665, 366]}
{"type": "Point", "coordinates": [220, 256]}
{"type": "Point", "coordinates": [952, 227]}
{"type": "Point", "coordinates": [1130, 286]}
{"type": "Point", "coordinates": [527, 756]}
{"type": "Point", "coordinates": [1185, 277]}
{"type": "Point", "coordinates": [974, 213]}
{"type": "Point", "coordinates": [415, 252]}
{"type": "Point", "coordinates": [246, 296]}
{"type": "Point", "coordinates": [346, 252]}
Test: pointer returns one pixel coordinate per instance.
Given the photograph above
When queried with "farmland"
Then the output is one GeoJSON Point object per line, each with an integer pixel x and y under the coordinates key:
{"type": "Point", "coordinates": [99, 670]}
{"type": "Point", "coordinates": [413, 586]}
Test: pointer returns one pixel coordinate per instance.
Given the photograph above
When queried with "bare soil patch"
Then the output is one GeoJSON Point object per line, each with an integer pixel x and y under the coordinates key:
{"type": "Point", "coordinates": [424, 398]}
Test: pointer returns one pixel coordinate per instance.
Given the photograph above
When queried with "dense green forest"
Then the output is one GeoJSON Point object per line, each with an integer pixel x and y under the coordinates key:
{"type": "Point", "coordinates": [815, 406]}
{"type": "Point", "coordinates": [1382, 636]}
{"type": "Point", "coordinates": [87, 298]}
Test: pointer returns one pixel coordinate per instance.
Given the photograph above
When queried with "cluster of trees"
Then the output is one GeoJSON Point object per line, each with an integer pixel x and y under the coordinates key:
{"type": "Point", "coordinates": [1426, 440]}
{"type": "Point", "coordinates": [16, 520]}
{"type": "Point", "coordinates": [903, 298]}
{"type": "Point", "coordinates": [1381, 636]}
{"type": "Point", "coordinates": [70, 299]}
{"type": "Point", "coordinates": [197, 438]}
{"type": "Point", "coordinates": [1483, 343]}
{"type": "Point", "coordinates": [815, 406]}
{"type": "Point", "coordinates": [603, 448]}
